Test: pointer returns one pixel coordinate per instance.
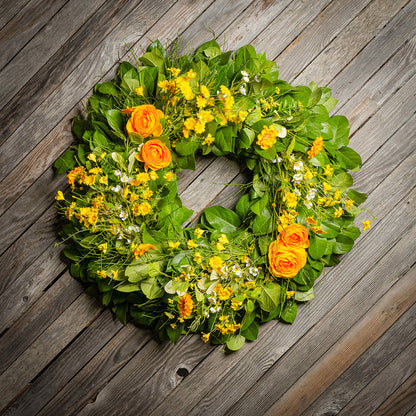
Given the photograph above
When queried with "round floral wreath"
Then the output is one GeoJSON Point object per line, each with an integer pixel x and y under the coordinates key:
{"type": "Point", "coordinates": [236, 269]}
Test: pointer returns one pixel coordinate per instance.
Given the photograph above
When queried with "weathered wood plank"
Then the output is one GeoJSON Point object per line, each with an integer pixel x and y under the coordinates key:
{"type": "Point", "coordinates": [301, 356]}
{"type": "Point", "coordinates": [86, 384]}
{"type": "Point", "coordinates": [138, 376]}
{"type": "Point", "coordinates": [35, 53]}
{"type": "Point", "coordinates": [258, 15]}
{"type": "Point", "coordinates": [273, 343]}
{"type": "Point", "coordinates": [78, 354]}
{"type": "Point", "coordinates": [25, 250]}
{"type": "Point", "coordinates": [29, 286]}
{"type": "Point", "coordinates": [369, 37]}
{"type": "Point", "coordinates": [9, 9]}
{"type": "Point", "coordinates": [213, 21]}
{"type": "Point", "coordinates": [101, 61]}
{"type": "Point", "coordinates": [385, 384]}
{"type": "Point", "coordinates": [398, 30]}
{"type": "Point", "coordinates": [388, 79]}
{"type": "Point", "coordinates": [317, 35]}
{"type": "Point", "coordinates": [362, 372]}
{"type": "Point", "coordinates": [349, 272]}
{"type": "Point", "coordinates": [50, 343]}
{"type": "Point", "coordinates": [376, 321]}
{"type": "Point", "coordinates": [401, 401]}
{"type": "Point", "coordinates": [384, 123]}
{"type": "Point", "coordinates": [25, 25]}
{"type": "Point", "coordinates": [281, 32]}
{"type": "Point", "coordinates": [53, 73]}
{"type": "Point", "coordinates": [23, 212]}
{"type": "Point", "coordinates": [38, 318]}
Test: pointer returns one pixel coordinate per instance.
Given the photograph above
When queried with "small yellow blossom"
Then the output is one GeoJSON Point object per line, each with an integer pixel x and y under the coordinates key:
{"type": "Point", "coordinates": [223, 239]}
{"type": "Point", "coordinates": [169, 176]}
{"type": "Point", "coordinates": [204, 91]}
{"type": "Point", "coordinates": [317, 230]}
{"type": "Point", "coordinates": [199, 232]}
{"type": "Point", "coordinates": [366, 225]}
{"type": "Point", "coordinates": [349, 204]}
{"type": "Point", "coordinates": [191, 74]}
{"type": "Point", "coordinates": [317, 146]}
{"type": "Point", "coordinates": [146, 194]}
{"type": "Point", "coordinates": [205, 337]}
{"type": "Point", "coordinates": [104, 180]}
{"type": "Point", "coordinates": [103, 247]}
{"type": "Point", "coordinates": [198, 257]}
{"type": "Point", "coordinates": [174, 71]}
{"type": "Point", "coordinates": [220, 247]}
{"type": "Point", "coordinates": [328, 170]}
{"type": "Point", "coordinates": [208, 139]}
{"type": "Point", "coordinates": [216, 262]}
{"type": "Point", "coordinates": [60, 196]}
{"type": "Point", "coordinates": [143, 209]}
{"type": "Point", "coordinates": [338, 212]}
{"type": "Point", "coordinates": [290, 293]}
{"type": "Point", "coordinates": [139, 91]}
{"type": "Point", "coordinates": [173, 245]}
{"type": "Point", "coordinates": [102, 273]}
{"type": "Point", "coordinates": [92, 157]}
{"type": "Point", "coordinates": [290, 199]}
{"type": "Point", "coordinates": [114, 274]}
{"type": "Point", "coordinates": [191, 244]}
{"type": "Point", "coordinates": [311, 221]}
{"type": "Point", "coordinates": [327, 187]}
{"type": "Point", "coordinates": [168, 314]}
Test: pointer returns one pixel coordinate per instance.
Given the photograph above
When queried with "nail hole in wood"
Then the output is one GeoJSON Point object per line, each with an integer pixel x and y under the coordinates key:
{"type": "Point", "coordinates": [182, 372]}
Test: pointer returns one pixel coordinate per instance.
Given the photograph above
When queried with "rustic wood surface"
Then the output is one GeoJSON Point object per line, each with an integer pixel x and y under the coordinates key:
{"type": "Point", "coordinates": [351, 351]}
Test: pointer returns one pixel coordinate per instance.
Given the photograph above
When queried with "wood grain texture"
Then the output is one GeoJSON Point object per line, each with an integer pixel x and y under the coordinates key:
{"type": "Point", "coordinates": [375, 360]}
{"type": "Point", "coordinates": [63, 354]}
{"type": "Point", "coordinates": [379, 318]}
{"type": "Point", "coordinates": [25, 25]}
{"type": "Point", "coordinates": [401, 401]}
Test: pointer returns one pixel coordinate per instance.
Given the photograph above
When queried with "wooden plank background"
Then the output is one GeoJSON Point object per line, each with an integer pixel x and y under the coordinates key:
{"type": "Point", "coordinates": [351, 351]}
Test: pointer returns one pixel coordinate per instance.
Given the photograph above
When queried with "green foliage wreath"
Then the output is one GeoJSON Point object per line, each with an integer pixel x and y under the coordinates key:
{"type": "Point", "coordinates": [236, 269]}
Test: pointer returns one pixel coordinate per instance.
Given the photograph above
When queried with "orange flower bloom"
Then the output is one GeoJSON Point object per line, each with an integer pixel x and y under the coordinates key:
{"type": "Point", "coordinates": [318, 145]}
{"type": "Point", "coordinates": [185, 305]}
{"type": "Point", "coordinates": [284, 262]}
{"type": "Point", "coordinates": [155, 155]}
{"type": "Point", "coordinates": [145, 120]}
{"type": "Point", "coordinates": [294, 236]}
{"type": "Point", "coordinates": [142, 249]}
{"type": "Point", "coordinates": [267, 137]}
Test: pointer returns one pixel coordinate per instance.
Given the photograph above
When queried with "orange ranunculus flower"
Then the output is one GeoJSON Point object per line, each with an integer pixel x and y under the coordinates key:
{"type": "Point", "coordinates": [286, 262]}
{"type": "Point", "coordinates": [185, 305]}
{"type": "Point", "coordinates": [155, 155]}
{"type": "Point", "coordinates": [145, 120]}
{"type": "Point", "coordinates": [294, 236]}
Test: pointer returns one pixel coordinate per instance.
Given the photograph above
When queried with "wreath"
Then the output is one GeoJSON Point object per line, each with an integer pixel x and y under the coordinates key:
{"type": "Point", "coordinates": [122, 215]}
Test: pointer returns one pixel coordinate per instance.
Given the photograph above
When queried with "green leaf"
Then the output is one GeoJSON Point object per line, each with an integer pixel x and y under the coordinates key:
{"type": "Point", "coordinates": [269, 297]}
{"type": "Point", "coordinates": [260, 205]}
{"type": "Point", "coordinates": [187, 147]}
{"type": "Point", "coordinates": [349, 158]}
{"type": "Point", "coordinates": [136, 272]}
{"type": "Point", "coordinates": [263, 223]}
{"type": "Point", "coordinates": [246, 138]}
{"type": "Point", "coordinates": [151, 289]}
{"type": "Point", "coordinates": [340, 130]}
{"type": "Point", "coordinates": [243, 206]}
{"type": "Point", "coordinates": [252, 332]}
{"type": "Point", "coordinates": [115, 119]}
{"type": "Point", "coordinates": [154, 58]}
{"type": "Point", "coordinates": [357, 197]}
{"type": "Point", "coordinates": [289, 312]}
{"type": "Point", "coordinates": [343, 244]}
{"type": "Point", "coordinates": [131, 83]}
{"type": "Point", "coordinates": [128, 287]}
{"type": "Point", "coordinates": [99, 140]}
{"type": "Point", "coordinates": [235, 342]}
{"type": "Point", "coordinates": [107, 88]}
{"type": "Point", "coordinates": [222, 219]}
{"type": "Point", "coordinates": [342, 181]}
{"type": "Point", "coordinates": [121, 312]}
{"type": "Point", "coordinates": [317, 247]}
{"type": "Point", "coordinates": [174, 333]}
{"type": "Point", "coordinates": [304, 296]}
{"type": "Point", "coordinates": [65, 162]}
